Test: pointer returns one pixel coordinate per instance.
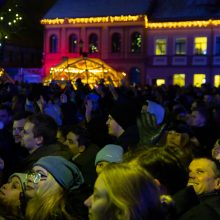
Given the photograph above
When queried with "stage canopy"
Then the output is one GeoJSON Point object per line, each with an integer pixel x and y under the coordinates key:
{"type": "Point", "coordinates": [89, 70]}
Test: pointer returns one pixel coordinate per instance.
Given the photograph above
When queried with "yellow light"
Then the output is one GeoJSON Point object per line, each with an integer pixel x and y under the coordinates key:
{"type": "Point", "coordinates": [180, 24]}
{"type": "Point", "coordinates": [112, 19]}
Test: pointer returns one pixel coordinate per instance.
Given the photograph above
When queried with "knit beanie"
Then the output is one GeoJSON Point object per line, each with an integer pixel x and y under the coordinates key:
{"type": "Point", "coordinates": [125, 114]}
{"type": "Point", "coordinates": [64, 172]}
{"type": "Point", "coordinates": [22, 177]}
{"type": "Point", "coordinates": [110, 153]}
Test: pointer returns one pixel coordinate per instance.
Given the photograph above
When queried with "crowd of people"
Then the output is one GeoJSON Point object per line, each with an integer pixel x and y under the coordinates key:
{"type": "Point", "coordinates": [123, 153]}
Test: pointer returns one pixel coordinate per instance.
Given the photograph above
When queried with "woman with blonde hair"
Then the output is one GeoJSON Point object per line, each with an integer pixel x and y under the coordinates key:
{"type": "Point", "coordinates": [50, 186]}
{"type": "Point", "coordinates": [122, 192]}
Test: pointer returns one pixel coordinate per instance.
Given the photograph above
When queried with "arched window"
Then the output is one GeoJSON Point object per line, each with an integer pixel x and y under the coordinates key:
{"type": "Point", "coordinates": [93, 43]}
{"type": "Point", "coordinates": [53, 43]}
{"type": "Point", "coordinates": [116, 43]}
{"type": "Point", "coordinates": [136, 42]}
{"type": "Point", "coordinates": [73, 41]}
{"type": "Point", "coordinates": [135, 75]}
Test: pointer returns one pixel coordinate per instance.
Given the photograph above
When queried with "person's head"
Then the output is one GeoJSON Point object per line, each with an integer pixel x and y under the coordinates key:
{"type": "Point", "coordinates": [77, 140]}
{"type": "Point", "coordinates": [199, 117]}
{"type": "Point", "coordinates": [204, 175]}
{"type": "Point", "coordinates": [53, 174]}
{"type": "Point", "coordinates": [39, 129]}
{"type": "Point", "coordinates": [111, 153]}
{"type": "Point", "coordinates": [51, 182]}
{"type": "Point", "coordinates": [5, 114]}
{"type": "Point", "coordinates": [166, 164]}
{"type": "Point", "coordinates": [10, 193]}
{"type": "Point", "coordinates": [122, 192]}
{"type": "Point", "coordinates": [216, 150]}
{"type": "Point", "coordinates": [121, 117]}
{"type": "Point", "coordinates": [18, 125]}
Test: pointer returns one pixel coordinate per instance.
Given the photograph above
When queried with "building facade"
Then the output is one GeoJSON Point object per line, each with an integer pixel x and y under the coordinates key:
{"type": "Point", "coordinates": [153, 42]}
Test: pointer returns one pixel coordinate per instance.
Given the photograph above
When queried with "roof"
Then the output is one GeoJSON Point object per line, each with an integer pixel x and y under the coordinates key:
{"type": "Point", "coordinates": [185, 10]}
{"type": "Point", "coordinates": [156, 10]}
{"type": "Point", "coordinates": [96, 8]}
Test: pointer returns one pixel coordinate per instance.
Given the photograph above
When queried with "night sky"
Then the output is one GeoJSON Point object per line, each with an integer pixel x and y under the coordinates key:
{"type": "Point", "coordinates": [29, 32]}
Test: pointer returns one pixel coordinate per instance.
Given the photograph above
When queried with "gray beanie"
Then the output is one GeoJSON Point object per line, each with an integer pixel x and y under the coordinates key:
{"type": "Point", "coordinates": [21, 177]}
{"type": "Point", "coordinates": [64, 172]}
{"type": "Point", "coordinates": [111, 153]}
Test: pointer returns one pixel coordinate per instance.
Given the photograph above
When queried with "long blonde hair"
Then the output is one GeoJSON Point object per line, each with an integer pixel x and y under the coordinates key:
{"type": "Point", "coordinates": [132, 193]}
{"type": "Point", "coordinates": [48, 203]}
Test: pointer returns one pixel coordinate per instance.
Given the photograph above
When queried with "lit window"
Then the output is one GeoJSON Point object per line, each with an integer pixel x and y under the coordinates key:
{"type": "Point", "coordinates": [53, 44]}
{"type": "Point", "coordinates": [199, 79]}
{"type": "Point", "coordinates": [136, 42]}
{"type": "Point", "coordinates": [73, 41]}
{"type": "Point", "coordinates": [93, 43]}
{"type": "Point", "coordinates": [217, 80]}
{"type": "Point", "coordinates": [160, 82]}
{"type": "Point", "coordinates": [200, 46]}
{"type": "Point", "coordinates": [116, 43]}
{"type": "Point", "coordinates": [161, 46]}
{"type": "Point", "coordinates": [217, 46]}
{"type": "Point", "coordinates": [179, 79]}
{"type": "Point", "coordinates": [180, 46]}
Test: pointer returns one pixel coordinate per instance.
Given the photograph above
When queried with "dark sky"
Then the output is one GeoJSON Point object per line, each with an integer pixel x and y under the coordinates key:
{"type": "Point", "coordinates": [30, 31]}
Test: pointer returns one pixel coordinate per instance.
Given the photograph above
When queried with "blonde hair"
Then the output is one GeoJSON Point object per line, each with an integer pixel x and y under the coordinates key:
{"type": "Point", "coordinates": [132, 193]}
{"type": "Point", "coordinates": [48, 202]}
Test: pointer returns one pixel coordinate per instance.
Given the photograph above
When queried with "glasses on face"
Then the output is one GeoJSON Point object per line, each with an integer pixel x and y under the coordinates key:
{"type": "Point", "coordinates": [36, 176]}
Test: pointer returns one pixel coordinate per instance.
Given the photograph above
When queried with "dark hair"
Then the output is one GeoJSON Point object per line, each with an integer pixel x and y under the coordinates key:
{"type": "Point", "coordinates": [21, 115]}
{"type": "Point", "coordinates": [44, 126]}
{"type": "Point", "coordinates": [83, 136]}
{"type": "Point", "coordinates": [167, 164]}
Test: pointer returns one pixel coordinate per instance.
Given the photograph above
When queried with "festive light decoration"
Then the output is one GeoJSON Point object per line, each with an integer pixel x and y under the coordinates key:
{"type": "Point", "coordinates": [107, 19]}
{"type": "Point", "coordinates": [90, 70]}
{"type": "Point", "coordinates": [133, 18]}
{"type": "Point", "coordinates": [182, 24]}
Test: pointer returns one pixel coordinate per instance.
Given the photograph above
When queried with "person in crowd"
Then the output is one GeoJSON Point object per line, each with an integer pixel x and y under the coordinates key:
{"type": "Point", "coordinates": [110, 153]}
{"type": "Point", "coordinates": [201, 198]}
{"type": "Point", "coordinates": [39, 138]}
{"type": "Point", "coordinates": [95, 118]}
{"type": "Point", "coordinates": [122, 192]}
{"type": "Point", "coordinates": [168, 165]}
{"type": "Point", "coordinates": [83, 152]}
{"type": "Point", "coordinates": [216, 150]}
{"type": "Point", "coordinates": [201, 128]}
{"type": "Point", "coordinates": [122, 124]}
{"type": "Point", "coordinates": [10, 196]}
{"type": "Point", "coordinates": [51, 187]}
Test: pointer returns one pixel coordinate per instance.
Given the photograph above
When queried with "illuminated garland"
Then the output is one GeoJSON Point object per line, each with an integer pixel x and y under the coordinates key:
{"type": "Point", "coordinates": [182, 24]}
{"type": "Point", "coordinates": [132, 18]}
{"type": "Point", "coordinates": [107, 19]}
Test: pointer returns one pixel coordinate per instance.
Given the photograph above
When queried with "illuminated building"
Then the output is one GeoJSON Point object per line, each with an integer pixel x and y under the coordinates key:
{"type": "Point", "coordinates": [153, 42]}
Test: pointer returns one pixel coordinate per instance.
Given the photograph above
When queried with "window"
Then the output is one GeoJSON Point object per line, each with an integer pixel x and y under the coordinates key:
{"type": "Point", "coordinates": [180, 46]}
{"type": "Point", "coordinates": [136, 42]}
{"type": "Point", "coordinates": [73, 41]}
{"type": "Point", "coordinates": [93, 43]}
{"type": "Point", "coordinates": [199, 79]}
{"type": "Point", "coordinates": [160, 82]}
{"type": "Point", "coordinates": [217, 46]}
{"type": "Point", "coordinates": [179, 79]}
{"type": "Point", "coordinates": [116, 43]}
{"type": "Point", "coordinates": [161, 46]}
{"type": "Point", "coordinates": [53, 44]}
{"type": "Point", "coordinates": [217, 80]}
{"type": "Point", "coordinates": [200, 46]}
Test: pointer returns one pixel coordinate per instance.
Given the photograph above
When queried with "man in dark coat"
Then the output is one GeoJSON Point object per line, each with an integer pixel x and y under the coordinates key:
{"type": "Point", "coordinates": [39, 138]}
{"type": "Point", "coordinates": [201, 200]}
